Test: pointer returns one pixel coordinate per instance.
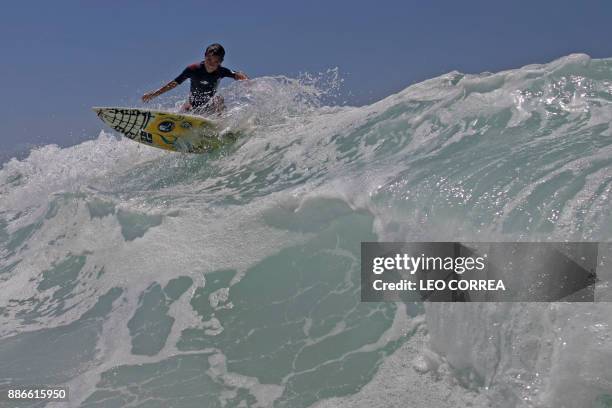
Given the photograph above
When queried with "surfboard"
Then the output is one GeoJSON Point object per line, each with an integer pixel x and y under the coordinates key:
{"type": "Point", "coordinates": [166, 130]}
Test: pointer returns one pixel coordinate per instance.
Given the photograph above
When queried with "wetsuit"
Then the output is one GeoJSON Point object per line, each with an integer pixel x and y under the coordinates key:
{"type": "Point", "coordinates": [203, 83]}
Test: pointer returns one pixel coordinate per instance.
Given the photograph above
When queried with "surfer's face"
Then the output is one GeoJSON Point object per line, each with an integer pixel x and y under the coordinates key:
{"type": "Point", "coordinates": [212, 62]}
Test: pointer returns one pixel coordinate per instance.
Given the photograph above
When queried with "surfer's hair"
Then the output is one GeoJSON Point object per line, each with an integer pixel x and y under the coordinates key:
{"type": "Point", "coordinates": [215, 49]}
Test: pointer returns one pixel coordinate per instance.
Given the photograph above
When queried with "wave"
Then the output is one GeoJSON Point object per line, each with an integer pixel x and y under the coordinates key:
{"type": "Point", "coordinates": [120, 244]}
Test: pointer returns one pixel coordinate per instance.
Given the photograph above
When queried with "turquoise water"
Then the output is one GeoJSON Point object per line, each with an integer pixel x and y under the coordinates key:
{"type": "Point", "coordinates": [142, 278]}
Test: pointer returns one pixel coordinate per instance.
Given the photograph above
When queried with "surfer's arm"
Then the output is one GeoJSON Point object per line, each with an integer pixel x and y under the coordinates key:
{"type": "Point", "coordinates": [237, 75]}
{"type": "Point", "coordinates": [150, 95]}
{"type": "Point", "coordinates": [240, 76]}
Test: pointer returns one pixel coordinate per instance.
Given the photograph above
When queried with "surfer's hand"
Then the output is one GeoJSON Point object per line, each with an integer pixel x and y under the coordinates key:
{"type": "Point", "coordinates": [240, 76]}
{"type": "Point", "coordinates": [186, 107]}
{"type": "Point", "coordinates": [148, 96]}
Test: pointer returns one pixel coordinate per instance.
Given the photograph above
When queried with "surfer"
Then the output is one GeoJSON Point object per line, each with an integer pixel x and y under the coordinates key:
{"type": "Point", "coordinates": [204, 78]}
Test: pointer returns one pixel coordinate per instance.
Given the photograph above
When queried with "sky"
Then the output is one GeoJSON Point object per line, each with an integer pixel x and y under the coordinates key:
{"type": "Point", "coordinates": [60, 58]}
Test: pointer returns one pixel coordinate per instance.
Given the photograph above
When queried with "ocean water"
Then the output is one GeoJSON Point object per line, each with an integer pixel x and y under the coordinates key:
{"type": "Point", "coordinates": [142, 278]}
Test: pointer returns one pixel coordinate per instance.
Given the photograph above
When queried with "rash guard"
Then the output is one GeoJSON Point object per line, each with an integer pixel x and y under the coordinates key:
{"type": "Point", "coordinates": [203, 83]}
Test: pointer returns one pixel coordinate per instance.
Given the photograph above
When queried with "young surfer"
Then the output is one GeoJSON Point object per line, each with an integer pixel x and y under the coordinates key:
{"type": "Point", "coordinates": [205, 77]}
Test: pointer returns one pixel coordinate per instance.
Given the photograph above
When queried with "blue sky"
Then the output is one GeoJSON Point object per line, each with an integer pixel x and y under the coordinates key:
{"type": "Point", "coordinates": [60, 58]}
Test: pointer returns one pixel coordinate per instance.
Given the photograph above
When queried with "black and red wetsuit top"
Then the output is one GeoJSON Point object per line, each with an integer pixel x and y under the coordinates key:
{"type": "Point", "coordinates": [203, 83]}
